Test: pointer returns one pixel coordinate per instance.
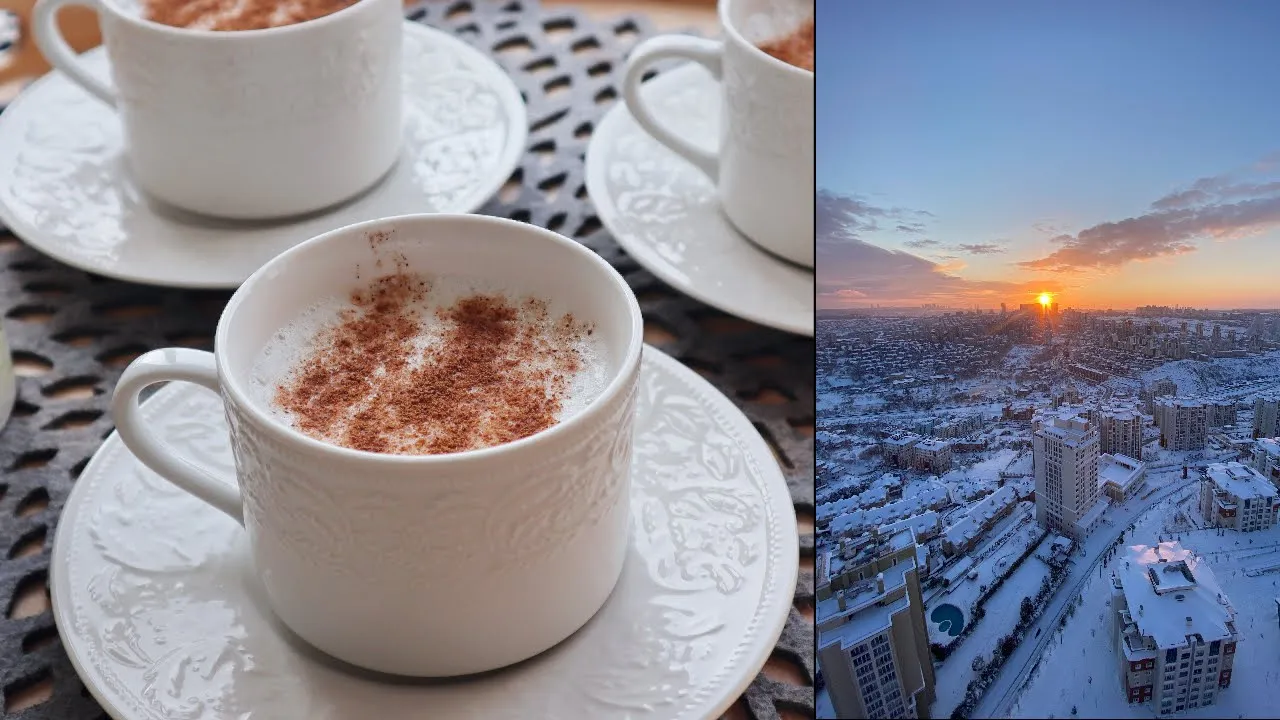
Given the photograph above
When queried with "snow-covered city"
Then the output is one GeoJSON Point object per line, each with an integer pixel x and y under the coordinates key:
{"type": "Point", "coordinates": [1035, 512]}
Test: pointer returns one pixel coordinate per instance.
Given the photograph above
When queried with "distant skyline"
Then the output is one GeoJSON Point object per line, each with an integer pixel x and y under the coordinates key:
{"type": "Point", "coordinates": [1115, 154]}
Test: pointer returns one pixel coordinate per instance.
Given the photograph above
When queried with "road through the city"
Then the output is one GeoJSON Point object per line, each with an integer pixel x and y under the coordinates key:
{"type": "Point", "coordinates": [1003, 690]}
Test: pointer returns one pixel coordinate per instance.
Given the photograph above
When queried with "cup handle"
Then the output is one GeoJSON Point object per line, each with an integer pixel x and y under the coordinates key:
{"type": "Point", "coordinates": [44, 24]}
{"type": "Point", "coordinates": [194, 366]}
{"type": "Point", "coordinates": [706, 53]}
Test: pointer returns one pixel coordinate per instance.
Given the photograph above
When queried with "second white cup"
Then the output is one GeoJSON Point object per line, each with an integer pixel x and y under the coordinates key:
{"type": "Point", "coordinates": [248, 124]}
{"type": "Point", "coordinates": [764, 166]}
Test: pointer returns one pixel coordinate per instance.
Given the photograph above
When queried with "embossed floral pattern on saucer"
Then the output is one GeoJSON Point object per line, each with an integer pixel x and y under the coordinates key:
{"type": "Point", "coordinates": [665, 214]}
{"type": "Point", "coordinates": [163, 617]}
{"type": "Point", "coordinates": [69, 195]}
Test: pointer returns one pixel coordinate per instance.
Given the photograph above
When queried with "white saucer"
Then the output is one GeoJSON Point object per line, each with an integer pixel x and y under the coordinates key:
{"type": "Point", "coordinates": [66, 193]}
{"type": "Point", "coordinates": [160, 611]}
{"type": "Point", "coordinates": [664, 212]}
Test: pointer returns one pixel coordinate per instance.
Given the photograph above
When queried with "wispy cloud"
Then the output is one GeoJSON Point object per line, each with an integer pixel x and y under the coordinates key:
{"type": "Point", "coordinates": [1220, 207]}
{"type": "Point", "coordinates": [922, 244]}
{"type": "Point", "coordinates": [847, 217]}
{"type": "Point", "coordinates": [850, 217]}
{"type": "Point", "coordinates": [981, 248]}
{"type": "Point", "coordinates": [852, 271]}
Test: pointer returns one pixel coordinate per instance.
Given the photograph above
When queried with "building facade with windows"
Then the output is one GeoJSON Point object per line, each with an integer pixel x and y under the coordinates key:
{"type": "Point", "coordinates": [1065, 453]}
{"type": "Point", "coordinates": [1184, 424]}
{"type": "Point", "coordinates": [1266, 458]}
{"type": "Point", "coordinates": [1266, 416]}
{"type": "Point", "coordinates": [932, 455]}
{"type": "Point", "coordinates": [1120, 431]}
{"type": "Point", "coordinates": [1236, 496]}
{"type": "Point", "coordinates": [1163, 387]}
{"type": "Point", "coordinates": [1174, 628]}
{"type": "Point", "coordinates": [898, 450]}
{"type": "Point", "coordinates": [873, 644]}
{"type": "Point", "coordinates": [1220, 412]}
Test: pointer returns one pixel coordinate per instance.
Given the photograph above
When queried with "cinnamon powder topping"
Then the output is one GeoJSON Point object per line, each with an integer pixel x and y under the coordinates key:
{"type": "Point", "coordinates": [795, 49]}
{"type": "Point", "coordinates": [238, 14]}
{"type": "Point", "coordinates": [392, 376]}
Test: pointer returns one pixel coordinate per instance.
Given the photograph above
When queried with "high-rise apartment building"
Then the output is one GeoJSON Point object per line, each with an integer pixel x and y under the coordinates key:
{"type": "Point", "coordinates": [873, 644]}
{"type": "Point", "coordinates": [1220, 412]}
{"type": "Point", "coordinates": [1236, 496]}
{"type": "Point", "coordinates": [932, 455]}
{"type": "Point", "coordinates": [1266, 459]}
{"type": "Point", "coordinates": [1266, 416]}
{"type": "Point", "coordinates": [1065, 451]}
{"type": "Point", "coordinates": [1184, 424]}
{"type": "Point", "coordinates": [1174, 627]}
{"type": "Point", "coordinates": [1163, 387]}
{"type": "Point", "coordinates": [898, 450]}
{"type": "Point", "coordinates": [1120, 431]}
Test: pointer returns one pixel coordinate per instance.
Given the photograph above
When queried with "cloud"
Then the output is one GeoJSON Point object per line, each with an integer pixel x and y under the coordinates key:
{"type": "Point", "coordinates": [838, 218]}
{"type": "Point", "coordinates": [921, 244]}
{"type": "Point", "coordinates": [1220, 207]}
{"type": "Point", "coordinates": [855, 272]}
{"type": "Point", "coordinates": [981, 248]}
{"type": "Point", "coordinates": [841, 218]}
{"type": "Point", "coordinates": [852, 271]}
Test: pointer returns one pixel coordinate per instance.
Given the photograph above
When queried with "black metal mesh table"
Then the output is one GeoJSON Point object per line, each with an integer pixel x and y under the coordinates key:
{"type": "Point", "coordinates": [73, 333]}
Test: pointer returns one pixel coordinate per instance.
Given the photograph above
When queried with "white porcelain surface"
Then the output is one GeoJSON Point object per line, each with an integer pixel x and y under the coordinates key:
{"type": "Point", "coordinates": [249, 124]}
{"type": "Point", "coordinates": [763, 160]}
{"type": "Point", "coordinates": [67, 194]}
{"type": "Point", "coordinates": [163, 616]}
{"type": "Point", "coordinates": [664, 211]}
{"type": "Point", "coordinates": [413, 555]}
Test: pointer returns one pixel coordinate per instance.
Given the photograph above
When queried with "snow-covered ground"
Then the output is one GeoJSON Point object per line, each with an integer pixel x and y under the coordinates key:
{"type": "Point", "coordinates": [1003, 545]}
{"type": "Point", "coordinates": [1081, 667]}
{"type": "Point", "coordinates": [1000, 619]}
{"type": "Point", "coordinates": [1194, 376]}
{"type": "Point", "coordinates": [991, 464]}
{"type": "Point", "coordinates": [1020, 355]}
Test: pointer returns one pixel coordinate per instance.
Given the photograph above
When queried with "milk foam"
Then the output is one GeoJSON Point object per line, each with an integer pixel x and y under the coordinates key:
{"type": "Point", "coordinates": [290, 346]}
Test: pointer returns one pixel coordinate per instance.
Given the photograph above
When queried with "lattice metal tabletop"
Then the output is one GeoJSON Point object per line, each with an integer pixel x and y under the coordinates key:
{"type": "Point", "coordinates": [73, 333]}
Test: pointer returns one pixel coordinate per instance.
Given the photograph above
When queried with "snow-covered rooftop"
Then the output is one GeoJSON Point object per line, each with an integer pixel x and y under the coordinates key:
{"type": "Point", "coordinates": [981, 512]}
{"type": "Point", "coordinates": [1180, 402]}
{"type": "Point", "coordinates": [932, 445]}
{"type": "Point", "coordinates": [1269, 446]}
{"type": "Point", "coordinates": [822, 568]}
{"type": "Point", "coordinates": [1119, 470]}
{"type": "Point", "coordinates": [1171, 593]}
{"type": "Point", "coordinates": [922, 499]}
{"type": "Point", "coordinates": [1121, 413]}
{"type": "Point", "coordinates": [1071, 429]}
{"type": "Point", "coordinates": [863, 615]}
{"type": "Point", "coordinates": [917, 523]}
{"type": "Point", "coordinates": [1240, 481]}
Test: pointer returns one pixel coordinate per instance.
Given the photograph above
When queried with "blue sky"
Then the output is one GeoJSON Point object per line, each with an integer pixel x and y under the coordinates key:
{"type": "Point", "coordinates": [980, 152]}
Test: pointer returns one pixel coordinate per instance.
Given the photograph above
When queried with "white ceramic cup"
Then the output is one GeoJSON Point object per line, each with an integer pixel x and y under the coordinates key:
{"type": "Point", "coordinates": [249, 124]}
{"type": "Point", "coordinates": [764, 166]}
{"type": "Point", "coordinates": [418, 565]}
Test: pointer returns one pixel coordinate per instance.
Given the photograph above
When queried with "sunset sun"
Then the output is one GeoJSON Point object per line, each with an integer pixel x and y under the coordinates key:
{"type": "Point", "coordinates": [1045, 299]}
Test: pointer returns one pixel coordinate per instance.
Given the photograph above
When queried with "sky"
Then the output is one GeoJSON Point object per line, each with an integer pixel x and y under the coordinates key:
{"type": "Point", "coordinates": [1116, 154]}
